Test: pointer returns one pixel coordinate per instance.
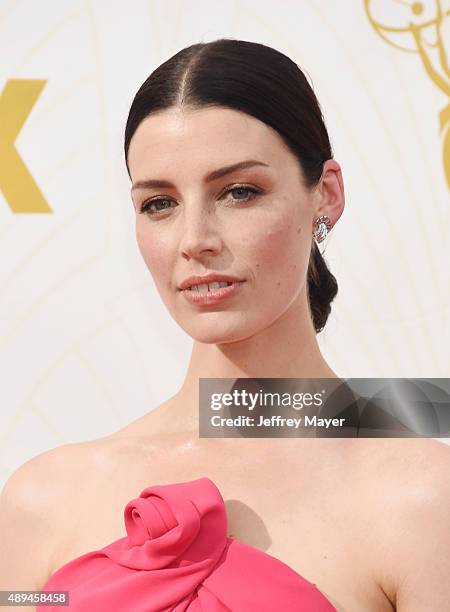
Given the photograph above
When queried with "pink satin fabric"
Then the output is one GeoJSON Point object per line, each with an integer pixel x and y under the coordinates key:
{"type": "Point", "coordinates": [176, 557]}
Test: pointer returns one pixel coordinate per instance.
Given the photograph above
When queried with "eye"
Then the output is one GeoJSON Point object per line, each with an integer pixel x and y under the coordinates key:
{"type": "Point", "coordinates": [157, 203]}
{"type": "Point", "coordinates": [243, 188]}
{"type": "Point", "coordinates": [155, 206]}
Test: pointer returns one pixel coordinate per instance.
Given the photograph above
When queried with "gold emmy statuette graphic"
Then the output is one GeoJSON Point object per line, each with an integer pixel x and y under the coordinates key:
{"type": "Point", "coordinates": [16, 183]}
{"type": "Point", "coordinates": [416, 27]}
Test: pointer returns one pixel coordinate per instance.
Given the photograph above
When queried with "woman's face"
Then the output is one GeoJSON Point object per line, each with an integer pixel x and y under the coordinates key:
{"type": "Point", "coordinates": [253, 223]}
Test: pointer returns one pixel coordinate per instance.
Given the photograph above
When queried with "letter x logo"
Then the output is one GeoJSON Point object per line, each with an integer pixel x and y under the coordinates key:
{"type": "Point", "coordinates": [16, 183]}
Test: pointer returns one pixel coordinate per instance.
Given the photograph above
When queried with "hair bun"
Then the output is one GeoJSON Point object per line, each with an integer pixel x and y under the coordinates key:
{"type": "Point", "coordinates": [322, 289]}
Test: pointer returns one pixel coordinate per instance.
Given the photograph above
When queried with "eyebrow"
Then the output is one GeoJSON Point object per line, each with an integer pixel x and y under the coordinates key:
{"type": "Point", "coordinates": [248, 163]}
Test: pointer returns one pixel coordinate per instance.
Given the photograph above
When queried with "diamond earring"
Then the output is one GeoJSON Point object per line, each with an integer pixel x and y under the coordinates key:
{"type": "Point", "coordinates": [322, 225]}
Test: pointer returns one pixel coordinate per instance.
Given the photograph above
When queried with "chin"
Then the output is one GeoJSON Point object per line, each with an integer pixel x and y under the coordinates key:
{"type": "Point", "coordinates": [215, 333]}
{"type": "Point", "coordinates": [212, 336]}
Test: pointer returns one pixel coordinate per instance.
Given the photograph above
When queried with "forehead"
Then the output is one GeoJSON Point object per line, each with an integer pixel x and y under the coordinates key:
{"type": "Point", "coordinates": [202, 139]}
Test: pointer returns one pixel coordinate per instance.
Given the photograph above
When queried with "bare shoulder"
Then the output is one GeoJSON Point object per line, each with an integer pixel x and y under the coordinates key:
{"type": "Point", "coordinates": [29, 502]}
{"type": "Point", "coordinates": [46, 483]}
{"type": "Point", "coordinates": [31, 475]}
{"type": "Point", "coordinates": [48, 475]}
{"type": "Point", "coordinates": [403, 473]}
{"type": "Point", "coordinates": [401, 454]}
{"type": "Point", "coordinates": [407, 490]}
{"type": "Point", "coordinates": [62, 473]}
{"type": "Point", "coordinates": [33, 506]}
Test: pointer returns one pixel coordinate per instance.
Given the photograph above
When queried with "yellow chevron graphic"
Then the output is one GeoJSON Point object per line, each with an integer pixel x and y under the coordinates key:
{"type": "Point", "coordinates": [16, 183]}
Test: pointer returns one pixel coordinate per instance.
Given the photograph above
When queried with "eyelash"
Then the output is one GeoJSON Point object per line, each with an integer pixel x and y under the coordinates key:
{"type": "Point", "coordinates": [146, 205]}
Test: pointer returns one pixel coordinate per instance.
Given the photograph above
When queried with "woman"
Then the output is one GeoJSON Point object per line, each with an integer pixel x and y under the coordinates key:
{"type": "Point", "coordinates": [232, 173]}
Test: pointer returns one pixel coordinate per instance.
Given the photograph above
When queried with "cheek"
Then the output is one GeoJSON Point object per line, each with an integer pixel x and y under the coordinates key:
{"type": "Point", "coordinates": [279, 250]}
{"type": "Point", "coordinates": [282, 246]}
{"type": "Point", "coordinates": [155, 253]}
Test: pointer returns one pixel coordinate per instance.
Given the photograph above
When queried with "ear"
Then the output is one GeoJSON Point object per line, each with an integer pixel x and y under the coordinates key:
{"type": "Point", "coordinates": [330, 192]}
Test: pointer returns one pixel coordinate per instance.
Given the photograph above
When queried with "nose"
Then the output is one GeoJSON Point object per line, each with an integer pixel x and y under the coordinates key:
{"type": "Point", "coordinates": [199, 234]}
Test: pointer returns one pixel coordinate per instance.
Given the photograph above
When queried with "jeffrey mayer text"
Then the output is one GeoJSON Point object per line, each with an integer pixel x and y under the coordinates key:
{"type": "Point", "coordinates": [275, 421]}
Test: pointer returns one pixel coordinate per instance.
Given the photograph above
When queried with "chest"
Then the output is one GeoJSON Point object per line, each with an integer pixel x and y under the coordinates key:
{"type": "Point", "coordinates": [302, 519]}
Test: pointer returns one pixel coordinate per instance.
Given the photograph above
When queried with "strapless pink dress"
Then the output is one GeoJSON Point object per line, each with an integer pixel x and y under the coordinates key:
{"type": "Point", "coordinates": [177, 556]}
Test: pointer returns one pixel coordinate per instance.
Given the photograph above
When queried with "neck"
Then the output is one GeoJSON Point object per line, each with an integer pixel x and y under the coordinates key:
{"type": "Point", "coordinates": [288, 348]}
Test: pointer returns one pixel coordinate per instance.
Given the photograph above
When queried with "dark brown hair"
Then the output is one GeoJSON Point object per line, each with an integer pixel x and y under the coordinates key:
{"type": "Point", "coordinates": [258, 80]}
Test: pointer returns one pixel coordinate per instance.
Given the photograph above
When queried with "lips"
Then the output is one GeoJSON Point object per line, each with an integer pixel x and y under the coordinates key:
{"type": "Point", "coordinates": [214, 286]}
{"type": "Point", "coordinates": [208, 279]}
{"type": "Point", "coordinates": [204, 298]}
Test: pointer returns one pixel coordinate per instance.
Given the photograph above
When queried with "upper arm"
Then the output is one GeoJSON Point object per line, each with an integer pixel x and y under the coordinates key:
{"type": "Point", "coordinates": [26, 513]}
{"type": "Point", "coordinates": [420, 536]}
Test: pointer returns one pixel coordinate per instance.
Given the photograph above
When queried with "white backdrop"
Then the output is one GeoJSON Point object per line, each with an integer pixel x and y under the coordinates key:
{"type": "Point", "coordinates": [86, 344]}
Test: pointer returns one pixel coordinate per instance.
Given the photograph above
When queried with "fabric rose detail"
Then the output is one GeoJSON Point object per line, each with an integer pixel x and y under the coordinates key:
{"type": "Point", "coordinates": [171, 526]}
